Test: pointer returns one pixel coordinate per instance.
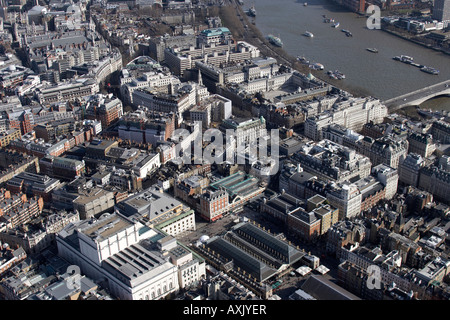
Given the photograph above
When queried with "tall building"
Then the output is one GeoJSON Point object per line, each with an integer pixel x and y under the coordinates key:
{"type": "Point", "coordinates": [388, 150]}
{"type": "Point", "coordinates": [245, 130]}
{"type": "Point", "coordinates": [213, 204]}
{"type": "Point", "coordinates": [421, 144]}
{"type": "Point", "coordinates": [105, 109]}
{"type": "Point", "coordinates": [344, 233]}
{"type": "Point", "coordinates": [146, 126]}
{"type": "Point", "coordinates": [62, 168]}
{"type": "Point", "coordinates": [17, 209]}
{"type": "Point", "coordinates": [353, 114]}
{"type": "Point", "coordinates": [388, 177]}
{"type": "Point", "coordinates": [33, 184]}
{"type": "Point", "coordinates": [347, 198]}
{"type": "Point", "coordinates": [409, 169]}
{"type": "Point", "coordinates": [441, 10]}
{"type": "Point", "coordinates": [159, 209]}
{"type": "Point", "coordinates": [180, 60]}
{"type": "Point", "coordinates": [440, 130]}
{"type": "Point", "coordinates": [436, 181]}
{"type": "Point", "coordinates": [137, 262]}
{"type": "Point", "coordinates": [331, 161]}
{"type": "Point", "coordinates": [354, 5]}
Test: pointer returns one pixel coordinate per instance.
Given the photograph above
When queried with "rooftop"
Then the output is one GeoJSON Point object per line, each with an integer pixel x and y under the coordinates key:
{"type": "Point", "coordinates": [106, 227]}
{"type": "Point", "coordinates": [150, 204]}
{"type": "Point", "coordinates": [323, 289]}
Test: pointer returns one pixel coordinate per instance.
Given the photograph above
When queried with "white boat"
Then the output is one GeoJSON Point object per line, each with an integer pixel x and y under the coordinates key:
{"type": "Point", "coordinates": [316, 66]}
{"type": "Point", "coordinates": [308, 34]}
{"type": "Point", "coordinates": [302, 60]}
{"type": "Point", "coordinates": [275, 40]}
{"type": "Point", "coordinates": [339, 74]}
{"type": "Point", "coordinates": [336, 74]}
{"type": "Point", "coordinates": [430, 70]}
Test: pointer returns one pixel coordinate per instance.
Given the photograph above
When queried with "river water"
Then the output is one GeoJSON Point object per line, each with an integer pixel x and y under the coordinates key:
{"type": "Point", "coordinates": [375, 74]}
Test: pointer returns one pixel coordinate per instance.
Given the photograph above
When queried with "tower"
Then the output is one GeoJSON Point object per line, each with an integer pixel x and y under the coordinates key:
{"type": "Point", "coordinates": [91, 24]}
{"type": "Point", "coordinates": [200, 80]}
{"type": "Point", "coordinates": [441, 10]}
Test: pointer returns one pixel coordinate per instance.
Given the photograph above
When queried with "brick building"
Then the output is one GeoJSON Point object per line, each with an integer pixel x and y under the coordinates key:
{"type": "Point", "coordinates": [17, 209]}
{"type": "Point", "coordinates": [214, 204]}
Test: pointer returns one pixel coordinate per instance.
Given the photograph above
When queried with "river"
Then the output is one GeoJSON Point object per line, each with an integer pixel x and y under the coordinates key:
{"type": "Point", "coordinates": [375, 74]}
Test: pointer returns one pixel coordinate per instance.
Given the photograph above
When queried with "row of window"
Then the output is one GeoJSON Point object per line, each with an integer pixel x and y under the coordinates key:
{"type": "Point", "coordinates": [154, 294]}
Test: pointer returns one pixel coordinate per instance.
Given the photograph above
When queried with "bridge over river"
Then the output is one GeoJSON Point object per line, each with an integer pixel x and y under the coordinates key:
{"type": "Point", "coordinates": [417, 97]}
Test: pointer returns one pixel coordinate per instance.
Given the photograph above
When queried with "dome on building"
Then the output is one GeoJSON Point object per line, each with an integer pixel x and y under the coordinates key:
{"type": "Point", "coordinates": [204, 238]}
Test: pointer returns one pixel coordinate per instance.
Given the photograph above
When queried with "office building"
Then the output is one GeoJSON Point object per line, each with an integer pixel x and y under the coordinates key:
{"type": "Point", "coordinates": [409, 170]}
{"type": "Point", "coordinates": [330, 161]}
{"type": "Point", "coordinates": [132, 257]}
{"type": "Point", "coordinates": [62, 168]}
{"type": "Point", "coordinates": [146, 126]}
{"type": "Point", "coordinates": [441, 10]}
{"type": "Point", "coordinates": [421, 144]}
{"type": "Point", "coordinates": [33, 184]}
{"type": "Point", "coordinates": [158, 209]}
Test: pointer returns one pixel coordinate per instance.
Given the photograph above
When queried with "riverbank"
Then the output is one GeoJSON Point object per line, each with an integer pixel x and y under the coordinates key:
{"type": "Point", "coordinates": [404, 37]}
{"type": "Point", "coordinates": [366, 74]}
{"type": "Point", "coordinates": [411, 113]}
{"type": "Point", "coordinates": [243, 28]}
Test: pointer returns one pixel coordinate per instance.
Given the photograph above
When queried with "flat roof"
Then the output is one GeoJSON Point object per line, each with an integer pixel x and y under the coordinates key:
{"type": "Point", "coordinates": [150, 203]}
{"type": "Point", "coordinates": [107, 227]}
